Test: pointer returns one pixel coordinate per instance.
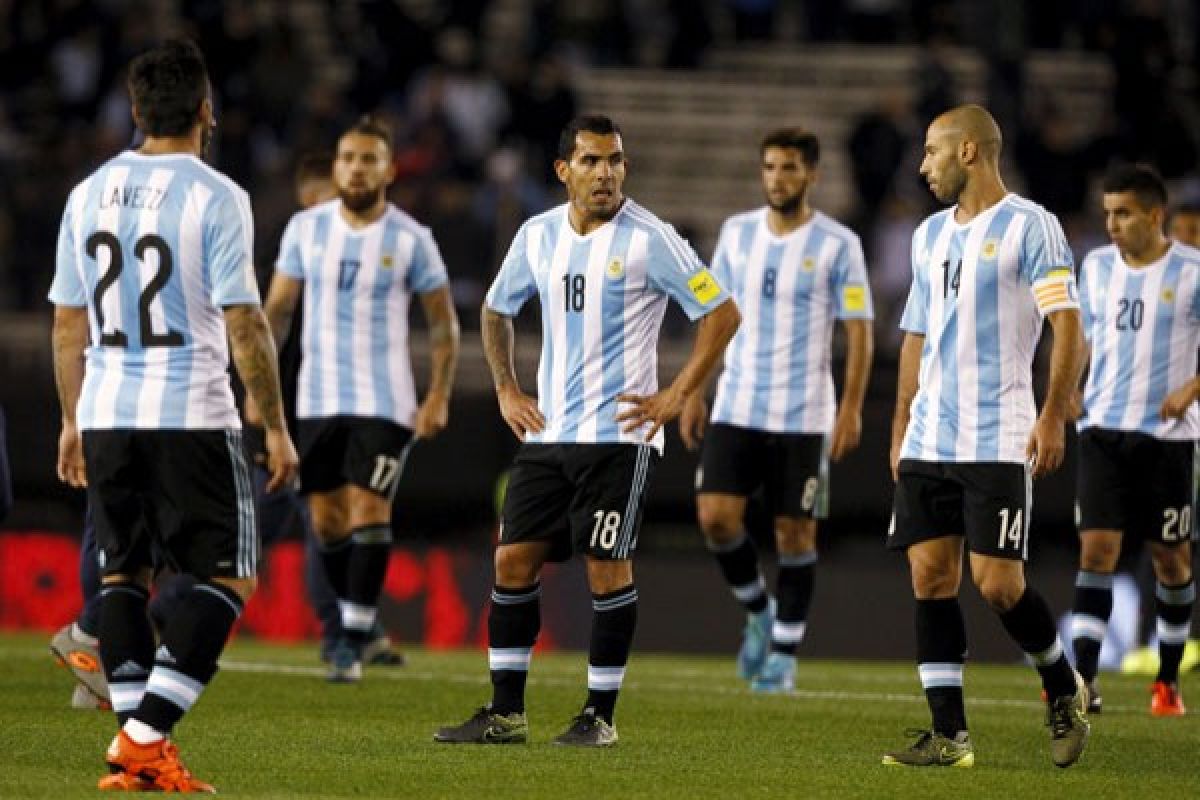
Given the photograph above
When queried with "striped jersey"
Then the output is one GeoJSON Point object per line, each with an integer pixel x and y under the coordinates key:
{"type": "Point", "coordinates": [155, 246]}
{"type": "Point", "coordinates": [357, 287]}
{"type": "Point", "coordinates": [1143, 329]}
{"type": "Point", "coordinates": [602, 299]}
{"type": "Point", "coordinates": [790, 289]}
{"type": "Point", "coordinates": [979, 294]}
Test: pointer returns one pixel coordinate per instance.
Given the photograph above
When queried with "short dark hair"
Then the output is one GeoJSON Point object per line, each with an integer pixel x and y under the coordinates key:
{"type": "Point", "coordinates": [371, 125]}
{"type": "Point", "coordinates": [794, 139]}
{"type": "Point", "coordinates": [590, 123]}
{"type": "Point", "coordinates": [1141, 179]}
{"type": "Point", "coordinates": [1190, 205]}
{"type": "Point", "coordinates": [167, 85]}
{"type": "Point", "coordinates": [314, 166]}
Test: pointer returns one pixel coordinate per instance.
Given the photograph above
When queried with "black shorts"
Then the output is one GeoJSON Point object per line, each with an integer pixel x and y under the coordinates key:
{"type": "Point", "coordinates": [988, 503]}
{"type": "Point", "coordinates": [366, 451]}
{"type": "Point", "coordinates": [792, 468]}
{"type": "Point", "coordinates": [184, 497]}
{"type": "Point", "coordinates": [583, 498]}
{"type": "Point", "coordinates": [1135, 483]}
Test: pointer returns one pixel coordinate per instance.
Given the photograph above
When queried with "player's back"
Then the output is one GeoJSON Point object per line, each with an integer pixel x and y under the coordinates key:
{"type": "Point", "coordinates": [156, 246]}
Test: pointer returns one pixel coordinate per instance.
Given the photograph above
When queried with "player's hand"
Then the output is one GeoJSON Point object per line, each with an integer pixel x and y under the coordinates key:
{"type": "Point", "coordinates": [432, 416]}
{"type": "Point", "coordinates": [520, 411]}
{"type": "Point", "coordinates": [693, 420]}
{"type": "Point", "coordinates": [282, 461]}
{"type": "Point", "coordinates": [847, 432]}
{"type": "Point", "coordinates": [1178, 402]}
{"type": "Point", "coordinates": [250, 412]}
{"type": "Point", "coordinates": [655, 410]}
{"type": "Point", "coordinates": [1047, 444]}
{"type": "Point", "coordinates": [71, 469]}
{"type": "Point", "coordinates": [1075, 405]}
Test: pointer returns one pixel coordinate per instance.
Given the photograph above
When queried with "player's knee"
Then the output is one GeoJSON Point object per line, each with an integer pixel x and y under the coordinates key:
{"type": "Point", "coordinates": [1098, 555]}
{"type": "Point", "coordinates": [718, 524]}
{"type": "Point", "coordinates": [605, 577]}
{"type": "Point", "coordinates": [1000, 593]}
{"type": "Point", "coordinates": [242, 587]}
{"type": "Point", "coordinates": [513, 568]}
{"type": "Point", "coordinates": [140, 579]}
{"type": "Point", "coordinates": [1172, 566]}
{"type": "Point", "coordinates": [796, 536]}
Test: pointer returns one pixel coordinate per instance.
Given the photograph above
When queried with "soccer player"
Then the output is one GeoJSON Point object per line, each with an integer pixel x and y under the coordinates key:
{"type": "Point", "coordinates": [603, 269]}
{"type": "Point", "coordinates": [967, 438]}
{"type": "Point", "coordinates": [775, 420]}
{"type": "Point", "coordinates": [155, 270]}
{"type": "Point", "coordinates": [358, 260]}
{"type": "Point", "coordinates": [1141, 308]}
{"type": "Point", "coordinates": [1185, 223]}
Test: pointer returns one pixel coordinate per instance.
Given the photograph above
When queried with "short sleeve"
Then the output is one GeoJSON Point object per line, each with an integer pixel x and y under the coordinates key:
{"type": "Point", "coordinates": [1087, 312]}
{"type": "Point", "coordinates": [67, 288]}
{"type": "Point", "coordinates": [852, 293]}
{"type": "Point", "coordinates": [289, 261]}
{"type": "Point", "coordinates": [673, 268]}
{"type": "Point", "coordinates": [514, 283]}
{"type": "Point", "coordinates": [722, 260]}
{"type": "Point", "coordinates": [1047, 264]}
{"type": "Point", "coordinates": [428, 270]}
{"type": "Point", "coordinates": [915, 318]}
{"type": "Point", "coordinates": [229, 247]}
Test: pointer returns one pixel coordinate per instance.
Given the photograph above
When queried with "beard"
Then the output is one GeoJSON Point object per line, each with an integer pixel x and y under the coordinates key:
{"type": "Point", "coordinates": [359, 200]}
{"type": "Point", "coordinates": [789, 205]}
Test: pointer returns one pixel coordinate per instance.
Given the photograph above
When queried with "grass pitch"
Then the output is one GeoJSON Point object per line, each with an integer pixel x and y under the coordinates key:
{"type": "Point", "coordinates": [270, 727]}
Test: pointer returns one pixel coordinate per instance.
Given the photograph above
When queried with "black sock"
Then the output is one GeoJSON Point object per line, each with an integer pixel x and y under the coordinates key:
{"type": "Point", "coordinates": [186, 659]}
{"type": "Point", "coordinates": [1031, 624]}
{"type": "Point", "coordinates": [614, 617]}
{"type": "Point", "coordinates": [1174, 604]}
{"type": "Point", "coordinates": [89, 582]}
{"type": "Point", "coordinates": [941, 652]}
{"type": "Point", "coordinates": [335, 556]}
{"type": "Point", "coordinates": [513, 624]}
{"type": "Point", "coordinates": [739, 564]}
{"type": "Point", "coordinates": [1089, 620]}
{"type": "Point", "coordinates": [168, 596]}
{"type": "Point", "coordinates": [365, 571]}
{"type": "Point", "coordinates": [126, 645]}
{"type": "Point", "coordinates": [793, 592]}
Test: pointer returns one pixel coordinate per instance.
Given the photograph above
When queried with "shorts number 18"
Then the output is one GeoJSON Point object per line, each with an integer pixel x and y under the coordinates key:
{"type": "Point", "coordinates": [604, 532]}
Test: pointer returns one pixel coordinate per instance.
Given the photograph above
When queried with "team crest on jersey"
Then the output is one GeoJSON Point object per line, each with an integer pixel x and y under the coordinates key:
{"type": "Point", "coordinates": [387, 262]}
{"type": "Point", "coordinates": [1168, 295]}
{"type": "Point", "coordinates": [615, 269]}
{"type": "Point", "coordinates": [988, 251]}
{"type": "Point", "coordinates": [808, 264]}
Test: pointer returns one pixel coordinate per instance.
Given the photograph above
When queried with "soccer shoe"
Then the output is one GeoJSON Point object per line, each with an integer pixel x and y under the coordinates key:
{"type": "Point", "coordinates": [151, 767]}
{"type": "Point", "coordinates": [756, 641]}
{"type": "Point", "coordinates": [1066, 717]}
{"type": "Point", "coordinates": [83, 700]}
{"type": "Point", "coordinates": [776, 676]}
{"type": "Point", "coordinates": [379, 652]}
{"type": "Point", "coordinates": [932, 749]}
{"type": "Point", "coordinates": [588, 730]}
{"type": "Point", "coordinates": [82, 658]}
{"type": "Point", "coordinates": [1095, 701]}
{"type": "Point", "coordinates": [345, 664]}
{"type": "Point", "coordinates": [484, 727]}
{"type": "Point", "coordinates": [1166, 700]}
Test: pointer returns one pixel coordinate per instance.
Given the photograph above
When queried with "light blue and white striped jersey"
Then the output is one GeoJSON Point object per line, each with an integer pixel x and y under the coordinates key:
{"type": "Point", "coordinates": [790, 289]}
{"type": "Point", "coordinates": [603, 297]}
{"type": "Point", "coordinates": [979, 294]}
{"type": "Point", "coordinates": [1143, 328]}
{"type": "Point", "coordinates": [155, 246]}
{"type": "Point", "coordinates": [354, 357]}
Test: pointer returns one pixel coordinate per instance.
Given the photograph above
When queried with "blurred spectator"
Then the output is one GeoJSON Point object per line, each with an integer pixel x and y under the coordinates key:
{"type": "Point", "coordinates": [877, 146]}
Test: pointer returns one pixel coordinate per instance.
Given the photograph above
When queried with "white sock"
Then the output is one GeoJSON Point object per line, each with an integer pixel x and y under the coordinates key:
{"type": "Point", "coordinates": [142, 733]}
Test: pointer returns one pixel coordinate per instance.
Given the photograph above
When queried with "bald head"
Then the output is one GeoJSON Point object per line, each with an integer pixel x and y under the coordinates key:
{"type": "Point", "coordinates": [971, 123]}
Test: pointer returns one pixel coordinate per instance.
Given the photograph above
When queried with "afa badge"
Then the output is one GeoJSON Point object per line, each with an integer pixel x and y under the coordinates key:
{"type": "Point", "coordinates": [1168, 295]}
{"type": "Point", "coordinates": [808, 264]}
{"type": "Point", "coordinates": [387, 262]}
{"type": "Point", "coordinates": [988, 251]}
{"type": "Point", "coordinates": [615, 269]}
{"type": "Point", "coordinates": [704, 287]}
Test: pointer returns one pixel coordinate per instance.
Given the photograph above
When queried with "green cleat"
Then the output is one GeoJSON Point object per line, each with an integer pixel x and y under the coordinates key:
{"type": "Point", "coordinates": [588, 730]}
{"type": "Point", "coordinates": [932, 749]}
{"type": "Point", "coordinates": [1066, 717]}
{"type": "Point", "coordinates": [484, 727]}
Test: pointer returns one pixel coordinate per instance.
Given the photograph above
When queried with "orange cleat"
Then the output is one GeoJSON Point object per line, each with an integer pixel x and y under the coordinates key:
{"type": "Point", "coordinates": [1166, 700]}
{"type": "Point", "coordinates": [151, 767]}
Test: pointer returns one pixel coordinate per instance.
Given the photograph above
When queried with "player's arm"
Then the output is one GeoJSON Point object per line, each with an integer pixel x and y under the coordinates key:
{"type": "Point", "coordinates": [1177, 403]}
{"type": "Point", "coordinates": [907, 382]}
{"type": "Point", "coordinates": [716, 329]}
{"type": "Point", "coordinates": [1047, 443]}
{"type": "Point", "coordinates": [442, 320]}
{"type": "Point", "coordinates": [254, 356]}
{"type": "Point", "coordinates": [860, 347]}
{"type": "Point", "coordinates": [694, 418]}
{"type": "Point", "coordinates": [282, 297]}
{"type": "Point", "coordinates": [69, 339]}
{"type": "Point", "coordinates": [519, 410]}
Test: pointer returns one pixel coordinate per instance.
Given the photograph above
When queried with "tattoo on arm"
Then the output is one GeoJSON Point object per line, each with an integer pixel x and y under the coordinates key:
{"type": "Point", "coordinates": [498, 347]}
{"type": "Point", "coordinates": [254, 355]}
